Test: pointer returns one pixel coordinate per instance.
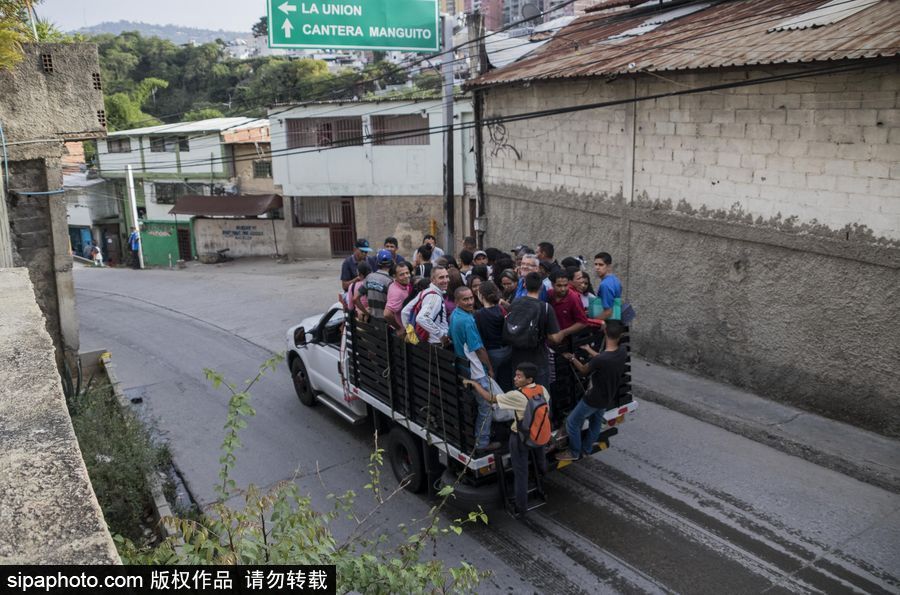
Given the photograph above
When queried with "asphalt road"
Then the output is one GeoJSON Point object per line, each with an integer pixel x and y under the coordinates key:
{"type": "Point", "coordinates": [676, 505]}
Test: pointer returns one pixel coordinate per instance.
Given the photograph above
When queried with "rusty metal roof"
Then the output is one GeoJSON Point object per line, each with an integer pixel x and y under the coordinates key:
{"type": "Point", "coordinates": [664, 36]}
{"type": "Point", "coordinates": [241, 205]}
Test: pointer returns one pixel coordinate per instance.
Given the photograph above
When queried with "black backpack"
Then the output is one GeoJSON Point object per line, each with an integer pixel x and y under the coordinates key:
{"type": "Point", "coordinates": [524, 325]}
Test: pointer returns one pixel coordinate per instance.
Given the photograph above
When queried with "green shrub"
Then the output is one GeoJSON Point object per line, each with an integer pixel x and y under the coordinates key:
{"type": "Point", "coordinates": [119, 455]}
{"type": "Point", "coordinates": [281, 526]}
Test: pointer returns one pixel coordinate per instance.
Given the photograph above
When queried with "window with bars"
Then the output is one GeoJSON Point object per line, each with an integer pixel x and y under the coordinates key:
{"type": "Point", "coordinates": [47, 63]}
{"type": "Point", "coordinates": [118, 145]}
{"type": "Point", "coordinates": [312, 211]}
{"type": "Point", "coordinates": [262, 168]}
{"type": "Point", "coordinates": [401, 130]}
{"type": "Point", "coordinates": [166, 194]}
{"type": "Point", "coordinates": [323, 132]}
{"type": "Point", "coordinates": [101, 117]}
{"type": "Point", "coordinates": [98, 84]}
{"type": "Point", "coordinates": [168, 144]}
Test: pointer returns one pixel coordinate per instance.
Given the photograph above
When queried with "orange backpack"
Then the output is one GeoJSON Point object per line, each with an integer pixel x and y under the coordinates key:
{"type": "Point", "coordinates": [534, 427]}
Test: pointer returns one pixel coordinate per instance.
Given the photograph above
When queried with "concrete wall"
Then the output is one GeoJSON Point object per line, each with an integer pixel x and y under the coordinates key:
{"type": "Point", "coordinates": [59, 105]}
{"type": "Point", "coordinates": [40, 238]}
{"type": "Point", "coordinates": [48, 511]}
{"type": "Point", "coordinates": [242, 237]}
{"type": "Point", "coordinates": [757, 230]}
{"type": "Point", "coordinates": [52, 107]}
{"type": "Point", "coordinates": [366, 170]}
{"type": "Point", "coordinates": [244, 156]}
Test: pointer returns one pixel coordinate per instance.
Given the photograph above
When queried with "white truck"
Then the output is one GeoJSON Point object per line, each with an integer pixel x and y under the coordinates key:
{"type": "Point", "coordinates": [364, 373]}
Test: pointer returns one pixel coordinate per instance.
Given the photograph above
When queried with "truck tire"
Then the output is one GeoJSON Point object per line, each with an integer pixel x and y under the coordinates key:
{"type": "Point", "coordinates": [467, 498]}
{"type": "Point", "coordinates": [301, 383]}
{"type": "Point", "coordinates": [405, 454]}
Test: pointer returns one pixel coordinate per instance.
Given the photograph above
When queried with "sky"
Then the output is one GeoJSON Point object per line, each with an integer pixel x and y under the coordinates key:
{"type": "Point", "coordinates": [231, 15]}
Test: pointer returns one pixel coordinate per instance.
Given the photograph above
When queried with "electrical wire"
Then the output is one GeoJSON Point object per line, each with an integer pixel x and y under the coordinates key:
{"type": "Point", "coordinates": [625, 16]}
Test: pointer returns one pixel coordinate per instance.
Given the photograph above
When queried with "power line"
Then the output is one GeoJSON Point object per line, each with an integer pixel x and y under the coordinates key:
{"type": "Point", "coordinates": [766, 17]}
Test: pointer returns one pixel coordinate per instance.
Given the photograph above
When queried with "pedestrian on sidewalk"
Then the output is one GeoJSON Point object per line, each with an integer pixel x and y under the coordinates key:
{"type": "Point", "coordinates": [134, 242]}
{"type": "Point", "coordinates": [97, 256]}
{"type": "Point", "coordinates": [606, 369]}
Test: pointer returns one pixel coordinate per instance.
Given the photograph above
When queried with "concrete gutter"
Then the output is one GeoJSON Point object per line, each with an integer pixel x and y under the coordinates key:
{"type": "Point", "coordinates": [161, 507]}
{"type": "Point", "coordinates": [861, 454]}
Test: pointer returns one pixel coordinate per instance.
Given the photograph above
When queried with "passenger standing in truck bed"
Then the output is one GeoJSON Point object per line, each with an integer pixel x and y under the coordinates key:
{"type": "Point", "coordinates": [606, 370]}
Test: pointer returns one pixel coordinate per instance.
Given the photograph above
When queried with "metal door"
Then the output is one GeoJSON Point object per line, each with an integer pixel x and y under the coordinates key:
{"type": "Point", "coordinates": [342, 226]}
{"type": "Point", "coordinates": [184, 244]}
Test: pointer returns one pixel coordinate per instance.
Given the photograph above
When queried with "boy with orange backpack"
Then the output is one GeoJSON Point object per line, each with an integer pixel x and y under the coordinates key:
{"type": "Point", "coordinates": [530, 429]}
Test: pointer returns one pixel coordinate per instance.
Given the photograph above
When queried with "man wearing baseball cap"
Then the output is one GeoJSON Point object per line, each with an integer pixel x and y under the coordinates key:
{"type": "Point", "coordinates": [376, 286]}
{"type": "Point", "coordinates": [348, 268]}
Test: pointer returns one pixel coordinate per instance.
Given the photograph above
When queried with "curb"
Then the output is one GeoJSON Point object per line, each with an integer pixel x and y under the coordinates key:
{"type": "Point", "coordinates": [772, 437]}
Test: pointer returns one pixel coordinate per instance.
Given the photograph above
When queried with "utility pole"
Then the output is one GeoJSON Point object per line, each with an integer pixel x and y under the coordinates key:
{"type": "Point", "coordinates": [480, 65]}
{"type": "Point", "coordinates": [132, 202]}
{"type": "Point", "coordinates": [447, 71]}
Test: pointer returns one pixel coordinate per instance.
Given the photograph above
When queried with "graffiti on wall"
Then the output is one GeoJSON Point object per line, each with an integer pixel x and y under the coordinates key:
{"type": "Point", "coordinates": [242, 232]}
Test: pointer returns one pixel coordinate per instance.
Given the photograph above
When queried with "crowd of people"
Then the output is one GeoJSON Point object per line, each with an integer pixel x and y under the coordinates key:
{"type": "Point", "coordinates": [507, 316]}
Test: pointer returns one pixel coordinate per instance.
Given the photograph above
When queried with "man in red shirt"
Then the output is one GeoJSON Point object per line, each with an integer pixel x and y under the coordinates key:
{"type": "Point", "coordinates": [566, 303]}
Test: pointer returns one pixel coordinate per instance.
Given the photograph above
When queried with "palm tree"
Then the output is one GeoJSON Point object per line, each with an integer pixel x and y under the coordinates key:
{"type": "Point", "coordinates": [13, 31]}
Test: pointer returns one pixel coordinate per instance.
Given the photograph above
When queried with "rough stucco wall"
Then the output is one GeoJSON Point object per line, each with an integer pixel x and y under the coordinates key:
{"type": "Point", "coordinates": [48, 511]}
{"type": "Point", "coordinates": [31, 230]}
{"type": "Point", "coordinates": [408, 218]}
{"type": "Point", "coordinates": [799, 311]}
{"type": "Point", "coordinates": [244, 155]}
{"type": "Point", "coordinates": [242, 237]}
{"type": "Point", "coordinates": [62, 104]}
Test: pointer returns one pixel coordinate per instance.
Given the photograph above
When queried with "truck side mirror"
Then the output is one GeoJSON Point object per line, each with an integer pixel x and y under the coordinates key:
{"type": "Point", "coordinates": [300, 336]}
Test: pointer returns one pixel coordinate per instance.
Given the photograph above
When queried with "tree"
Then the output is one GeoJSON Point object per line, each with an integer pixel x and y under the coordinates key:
{"type": "Point", "coordinates": [14, 31]}
{"type": "Point", "coordinates": [205, 113]}
{"type": "Point", "coordinates": [261, 27]}
{"type": "Point", "coordinates": [123, 110]}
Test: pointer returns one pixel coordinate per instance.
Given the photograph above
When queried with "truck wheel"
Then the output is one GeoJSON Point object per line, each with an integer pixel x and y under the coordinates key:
{"type": "Point", "coordinates": [405, 456]}
{"type": "Point", "coordinates": [301, 383]}
{"type": "Point", "coordinates": [467, 498]}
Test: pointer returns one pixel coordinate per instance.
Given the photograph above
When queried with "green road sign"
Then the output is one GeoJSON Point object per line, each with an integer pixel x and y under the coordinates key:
{"type": "Point", "coordinates": [404, 25]}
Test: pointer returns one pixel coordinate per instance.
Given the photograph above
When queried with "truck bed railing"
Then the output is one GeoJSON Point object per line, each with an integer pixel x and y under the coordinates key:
{"type": "Point", "coordinates": [421, 385]}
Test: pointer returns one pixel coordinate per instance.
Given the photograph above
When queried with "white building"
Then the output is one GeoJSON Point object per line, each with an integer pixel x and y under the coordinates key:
{"type": "Point", "coordinates": [174, 160]}
{"type": "Point", "coordinates": [369, 169]}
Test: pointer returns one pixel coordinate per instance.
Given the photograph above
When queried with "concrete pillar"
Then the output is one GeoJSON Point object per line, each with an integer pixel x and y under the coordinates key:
{"type": "Point", "coordinates": [62, 260]}
{"type": "Point", "coordinates": [6, 255]}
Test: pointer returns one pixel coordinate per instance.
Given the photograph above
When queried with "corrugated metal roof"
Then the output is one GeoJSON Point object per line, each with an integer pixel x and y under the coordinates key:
{"type": "Point", "coordinates": [728, 33]}
{"type": "Point", "coordinates": [210, 125]}
{"type": "Point", "coordinates": [241, 205]}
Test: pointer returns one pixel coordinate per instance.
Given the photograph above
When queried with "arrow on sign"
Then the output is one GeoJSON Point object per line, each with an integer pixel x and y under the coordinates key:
{"type": "Point", "coordinates": [287, 28]}
{"type": "Point", "coordinates": [287, 8]}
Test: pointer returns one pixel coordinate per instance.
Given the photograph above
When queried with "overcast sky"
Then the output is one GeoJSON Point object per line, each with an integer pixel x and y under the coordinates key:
{"type": "Point", "coordinates": [231, 15]}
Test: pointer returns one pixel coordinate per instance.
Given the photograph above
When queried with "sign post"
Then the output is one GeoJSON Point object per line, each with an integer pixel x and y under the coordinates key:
{"type": "Point", "coordinates": [385, 25]}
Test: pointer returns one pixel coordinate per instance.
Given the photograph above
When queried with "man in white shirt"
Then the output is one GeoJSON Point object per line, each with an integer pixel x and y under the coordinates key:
{"type": "Point", "coordinates": [432, 316]}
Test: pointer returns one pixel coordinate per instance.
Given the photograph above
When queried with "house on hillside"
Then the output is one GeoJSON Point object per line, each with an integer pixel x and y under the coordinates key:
{"type": "Point", "coordinates": [369, 169]}
{"type": "Point", "coordinates": [739, 160]}
{"type": "Point", "coordinates": [215, 157]}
